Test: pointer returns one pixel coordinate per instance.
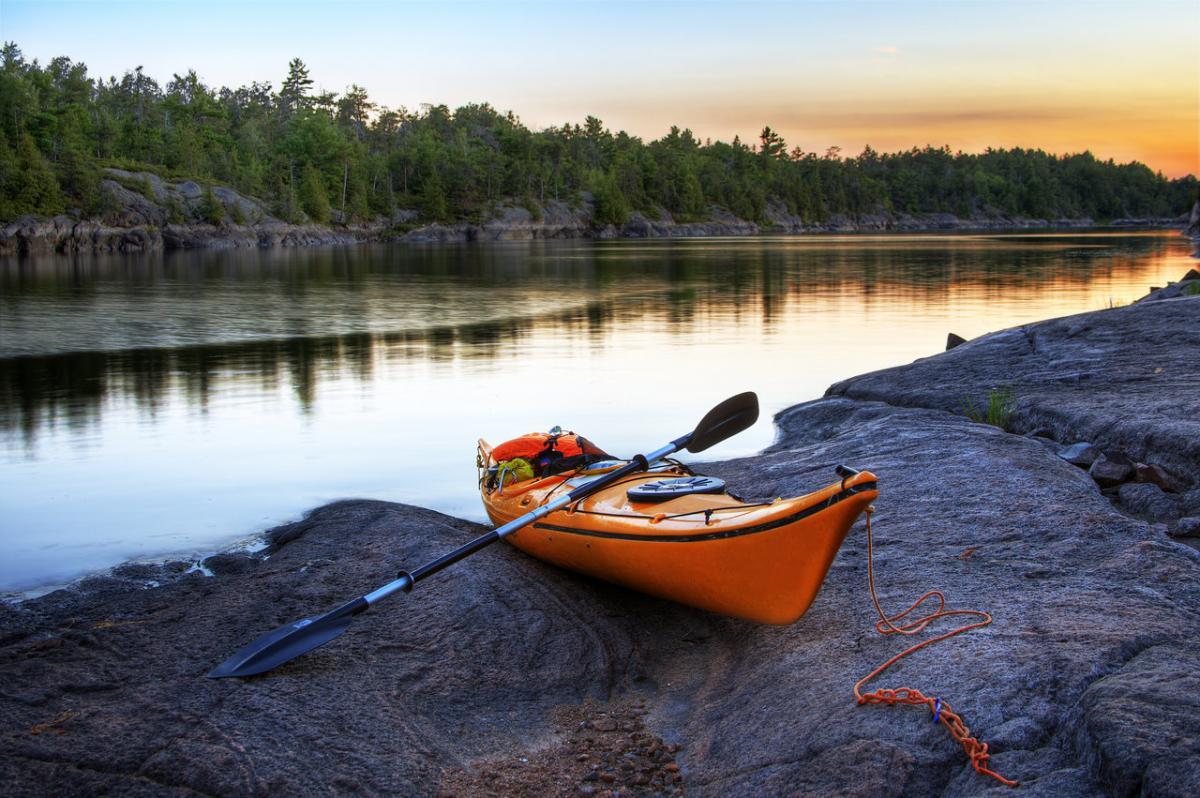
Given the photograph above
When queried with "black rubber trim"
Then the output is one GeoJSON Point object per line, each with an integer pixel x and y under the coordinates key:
{"type": "Point", "coordinates": [730, 533]}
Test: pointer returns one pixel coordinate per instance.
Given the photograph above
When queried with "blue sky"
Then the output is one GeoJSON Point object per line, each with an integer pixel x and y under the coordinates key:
{"type": "Point", "coordinates": [1118, 78]}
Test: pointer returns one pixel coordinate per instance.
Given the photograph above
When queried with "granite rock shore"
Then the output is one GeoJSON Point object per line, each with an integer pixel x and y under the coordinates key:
{"type": "Point", "coordinates": [506, 676]}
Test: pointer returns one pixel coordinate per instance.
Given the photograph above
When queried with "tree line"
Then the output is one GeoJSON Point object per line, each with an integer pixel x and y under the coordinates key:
{"type": "Point", "coordinates": [323, 156]}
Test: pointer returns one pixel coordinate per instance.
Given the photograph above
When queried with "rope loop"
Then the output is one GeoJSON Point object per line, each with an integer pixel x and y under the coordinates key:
{"type": "Point", "coordinates": [899, 624]}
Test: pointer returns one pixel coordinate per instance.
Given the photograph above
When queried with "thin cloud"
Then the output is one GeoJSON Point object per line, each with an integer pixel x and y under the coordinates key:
{"type": "Point", "coordinates": [890, 49]}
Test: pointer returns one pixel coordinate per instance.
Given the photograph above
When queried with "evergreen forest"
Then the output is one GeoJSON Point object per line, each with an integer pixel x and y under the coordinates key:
{"type": "Point", "coordinates": [324, 157]}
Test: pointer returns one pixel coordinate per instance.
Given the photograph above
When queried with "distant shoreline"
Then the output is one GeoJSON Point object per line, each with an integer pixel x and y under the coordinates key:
{"type": "Point", "coordinates": [149, 214]}
{"type": "Point", "coordinates": [66, 235]}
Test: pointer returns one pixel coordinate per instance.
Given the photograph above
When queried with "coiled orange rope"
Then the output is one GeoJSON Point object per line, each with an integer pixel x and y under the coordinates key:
{"type": "Point", "coordinates": [976, 750]}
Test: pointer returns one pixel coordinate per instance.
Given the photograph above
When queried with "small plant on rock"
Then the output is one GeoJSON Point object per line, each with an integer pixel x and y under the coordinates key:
{"type": "Point", "coordinates": [997, 411]}
{"type": "Point", "coordinates": [236, 215]}
{"type": "Point", "coordinates": [174, 211]}
{"type": "Point", "coordinates": [211, 209]}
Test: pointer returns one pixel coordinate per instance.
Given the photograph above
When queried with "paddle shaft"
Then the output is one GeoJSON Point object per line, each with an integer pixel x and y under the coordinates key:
{"type": "Point", "coordinates": [408, 579]}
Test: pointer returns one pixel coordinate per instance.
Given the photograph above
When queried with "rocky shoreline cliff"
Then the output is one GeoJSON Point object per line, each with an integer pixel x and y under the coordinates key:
{"type": "Point", "coordinates": [148, 213]}
{"type": "Point", "coordinates": [507, 676]}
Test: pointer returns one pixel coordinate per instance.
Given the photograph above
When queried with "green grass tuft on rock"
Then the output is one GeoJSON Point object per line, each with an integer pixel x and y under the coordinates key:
{"type": "Point", "coordinates": [997, 411]}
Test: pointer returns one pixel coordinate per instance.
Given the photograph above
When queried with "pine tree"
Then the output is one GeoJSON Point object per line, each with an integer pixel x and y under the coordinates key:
{"type": "Point", "coordinates": [313, 198]}
{"type": "Point", "coordinates": [79, 178]}
{"type": "Point", "coordinates": [293, 94]}
{"type": "Point", "coordinates": [9, 178]}
{"type": "Point", "coordinates": [174, 211]}
{"type": "Point", "coordinates": [211, 209]}
{"type": "Point", "coordinates": [357, 206]}
{"type": "Point", "coordinates": [36, 191]}
{"type": "Point", "coordinates": [773, 145]}
{"type": "Point", "coordinates": [433, 197]}
{"type": "Point", "coordinates": [611, 205]}
{"type": "Point", "coordinates": [691, 196]}
{"type": "Point", "coordinates": [383, 198]}
{"type": "Point", "coordinates": [287, 204]}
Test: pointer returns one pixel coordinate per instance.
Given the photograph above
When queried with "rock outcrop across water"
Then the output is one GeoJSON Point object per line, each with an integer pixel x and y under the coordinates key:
{"type": "Point", "coordinates": [146, 212]}
{"type": "Point", "coordinates": [505, 676]}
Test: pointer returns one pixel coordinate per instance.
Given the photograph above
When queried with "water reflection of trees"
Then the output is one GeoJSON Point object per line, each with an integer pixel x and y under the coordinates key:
{"type": "Point", "coordinates": [71, 388]}
{"type": "Point", "coordinates": [686, 285]}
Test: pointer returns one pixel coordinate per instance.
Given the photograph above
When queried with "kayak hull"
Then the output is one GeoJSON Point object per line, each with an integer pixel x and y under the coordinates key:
{"type": "Point", "coordinates": [764, 562]}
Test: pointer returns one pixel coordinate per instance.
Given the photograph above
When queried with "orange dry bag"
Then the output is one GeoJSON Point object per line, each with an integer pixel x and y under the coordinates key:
{"type": "Point", "coordinates": [550, 452]}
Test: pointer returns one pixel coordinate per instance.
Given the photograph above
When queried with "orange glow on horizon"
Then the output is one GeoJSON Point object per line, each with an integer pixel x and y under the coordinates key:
{"type": "Point", "coordinates": [1160, 129]}
{"type": "Point", "coordinates": [1136, 100]}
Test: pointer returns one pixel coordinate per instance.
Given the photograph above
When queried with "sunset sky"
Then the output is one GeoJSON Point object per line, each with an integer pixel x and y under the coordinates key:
{"type": "Point", "coordinates": [1121, 79]}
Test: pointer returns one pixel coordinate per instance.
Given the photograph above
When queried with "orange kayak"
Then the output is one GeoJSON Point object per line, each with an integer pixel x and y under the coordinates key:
{"type": "Point", "coordinates": [763, 562]}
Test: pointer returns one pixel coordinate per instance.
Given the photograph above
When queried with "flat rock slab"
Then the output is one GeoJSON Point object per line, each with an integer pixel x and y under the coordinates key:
{"type": "Point", "coordinates": [1124, 379]}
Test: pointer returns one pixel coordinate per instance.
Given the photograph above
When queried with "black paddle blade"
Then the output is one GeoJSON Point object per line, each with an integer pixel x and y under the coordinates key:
{"type": "Point", "coordinates": [286, 643]}
{"type": "Point", "coordinates": [727, 419]}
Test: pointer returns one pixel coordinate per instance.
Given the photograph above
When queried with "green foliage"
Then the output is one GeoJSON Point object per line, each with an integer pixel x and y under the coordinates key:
{"type": "Point", "coordinates": [79, 179]}
{"type": "Point", "coordinates": [997, 412]}
{"type": "Point", "coordinates": [235, 213]}
{"type": "Point", "coordinates": [1192, 288]}
{"type": "Point", "coordinates": [36, 190]}
{"type": "Point", "coordinates": [433, 197]}
{"type": "Point", "coordinates": [174, 211]}
{"type": "Point", "coordinates": [211, 209]}
{"type": "Point", "coordinates": [287, 203]}
{"type": "Point", "coordinates": [9, 175]}
{"type": "Point", "coordinates": [531, 205]}
{"type": "Point", "coordinates": [60, 127]}
{"type": "Point", "coordinates": [611, 206]}
{"type": "Point", "coordinates": [357, 195]}
{"type": "Point", "coordinates": [313, 199]}
{"type": "Point", "coordinates": [139, 185]}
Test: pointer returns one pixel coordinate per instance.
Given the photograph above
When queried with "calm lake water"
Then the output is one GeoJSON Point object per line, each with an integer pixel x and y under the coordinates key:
{"type": "Point", "coordinates": [172, 405]}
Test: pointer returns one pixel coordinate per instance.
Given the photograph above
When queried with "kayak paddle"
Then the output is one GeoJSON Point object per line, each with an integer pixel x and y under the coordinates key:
{"type": "Point", "coordinates": [732, 416]}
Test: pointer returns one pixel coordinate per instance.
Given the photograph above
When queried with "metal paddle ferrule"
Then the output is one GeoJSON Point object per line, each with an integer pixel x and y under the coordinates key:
{"type": "Point", "coordinates": [288, 642]}
{"type": "Point", "coordinates": [408, 579]}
